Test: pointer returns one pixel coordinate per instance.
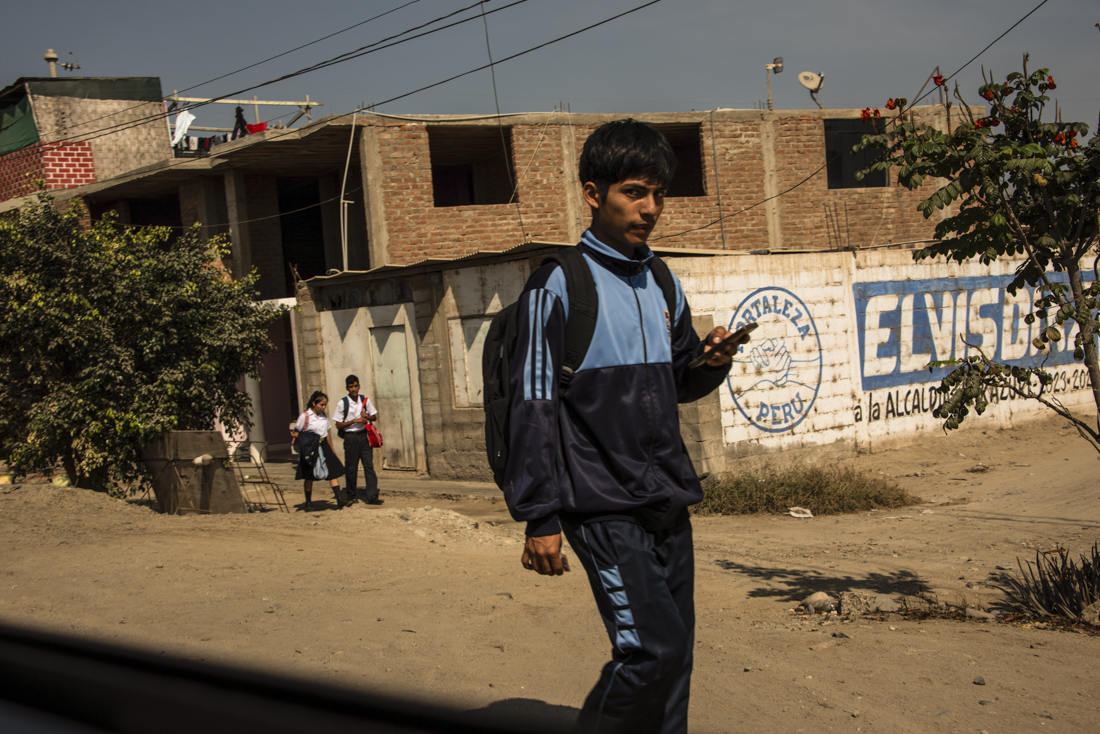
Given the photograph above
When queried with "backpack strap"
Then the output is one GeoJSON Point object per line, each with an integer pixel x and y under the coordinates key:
{"type": "Point", "coordinates": [664, 279]}
{"type": "Point", "coordinates": [344, 403]}
{"type": "Point", "coordinates": [584, 304]}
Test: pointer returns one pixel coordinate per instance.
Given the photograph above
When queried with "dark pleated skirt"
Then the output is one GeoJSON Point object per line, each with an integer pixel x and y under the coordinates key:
{"type": "Point", "coordinates": [335, 468]}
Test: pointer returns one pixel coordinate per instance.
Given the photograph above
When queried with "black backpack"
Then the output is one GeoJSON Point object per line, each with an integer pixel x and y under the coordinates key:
{"type": "Point", "coordinates": [500, 345]}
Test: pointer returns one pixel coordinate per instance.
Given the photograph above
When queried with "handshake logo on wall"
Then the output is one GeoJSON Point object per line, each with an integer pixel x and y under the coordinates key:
{"type": "Point", "coordinates": [776, 376]}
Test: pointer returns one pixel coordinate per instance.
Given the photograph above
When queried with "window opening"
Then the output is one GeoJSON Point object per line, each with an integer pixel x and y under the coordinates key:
{"type": "Point", "coordinates": [687, 144]}
{"type": "Point", "coordinates": [302, 231]}
{"type": "Point", "coordinates": [470, 165]}
{"type": "Point", "coordinates": [841, 163]}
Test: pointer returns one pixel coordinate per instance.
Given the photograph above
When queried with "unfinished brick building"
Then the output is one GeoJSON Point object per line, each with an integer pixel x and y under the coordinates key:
{"type": "Point", "coordinates": [400, 237]}
{"type": "Point", "coordinates": [66, 133]}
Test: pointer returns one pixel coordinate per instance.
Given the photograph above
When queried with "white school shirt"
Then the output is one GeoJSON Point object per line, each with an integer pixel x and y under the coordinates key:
{"type": "Point", "coordinates": [319, 424]}
{"type": "Point", "coordinates": [356, 408]}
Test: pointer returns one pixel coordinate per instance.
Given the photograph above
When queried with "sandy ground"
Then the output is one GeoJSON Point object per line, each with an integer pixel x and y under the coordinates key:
{"type": "Point", "coordinates": [425, 598]}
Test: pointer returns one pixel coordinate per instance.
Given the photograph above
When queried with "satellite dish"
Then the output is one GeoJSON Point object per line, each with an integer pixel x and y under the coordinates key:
{"type": "Point", "coordinates": [811, 80]}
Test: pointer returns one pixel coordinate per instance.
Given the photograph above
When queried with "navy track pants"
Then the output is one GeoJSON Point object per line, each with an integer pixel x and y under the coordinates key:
{"type": "Point", "coordinates": [644, 587]}
{"type": "Point", "coordinates": [357, 449]}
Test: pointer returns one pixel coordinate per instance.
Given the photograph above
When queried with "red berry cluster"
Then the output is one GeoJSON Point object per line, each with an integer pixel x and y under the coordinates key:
{"type": "Point", "coordinates": [867, 114]}
{"type": "Point", "coordinates": [1048, 84]}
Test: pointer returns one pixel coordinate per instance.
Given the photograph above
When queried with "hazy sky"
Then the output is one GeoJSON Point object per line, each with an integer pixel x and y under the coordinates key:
{"type": "Point", "coordinates": [674, 55]}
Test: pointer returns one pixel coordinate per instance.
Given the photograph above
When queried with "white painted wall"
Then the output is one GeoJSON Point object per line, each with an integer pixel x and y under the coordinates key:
{"type": "Point", "coordinates": [845, 339]}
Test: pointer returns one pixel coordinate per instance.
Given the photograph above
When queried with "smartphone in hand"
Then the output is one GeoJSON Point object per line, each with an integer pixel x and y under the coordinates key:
{"type": "Point", "coordinates": [732, 338]}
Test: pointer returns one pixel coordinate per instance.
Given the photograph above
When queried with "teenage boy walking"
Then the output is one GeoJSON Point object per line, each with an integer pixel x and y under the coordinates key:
{"type": "Point", "coordinates": [603, 460]}
{"type": "Point", "coordinates": [351, 416]}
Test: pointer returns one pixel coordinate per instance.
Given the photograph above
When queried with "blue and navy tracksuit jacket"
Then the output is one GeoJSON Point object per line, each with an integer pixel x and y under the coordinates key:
{"type": "Point", "coordinates": [610, 443]}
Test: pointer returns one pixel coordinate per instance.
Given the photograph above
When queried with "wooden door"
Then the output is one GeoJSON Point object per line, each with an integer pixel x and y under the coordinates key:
{"type": "Point", "coordinates": [393, 396]}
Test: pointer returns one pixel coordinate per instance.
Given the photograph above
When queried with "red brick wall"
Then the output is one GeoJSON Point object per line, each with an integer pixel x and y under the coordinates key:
{"type": "Point", "coordinates": [815, 216]}
{"type": "Point", "coordinates": [18, 171]}
{"type": "Point", "coordinates": [810, 216]}
{"type": "Point", "coordinates": [417, 228]}
{"type": "Point", "coordinates": [60, 165]}
{"type": "Point", "coordinates": [738, 177]}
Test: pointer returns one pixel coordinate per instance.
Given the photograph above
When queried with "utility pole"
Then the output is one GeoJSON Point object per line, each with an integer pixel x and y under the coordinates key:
{"type": "Point", "coordinates": [774, 67]}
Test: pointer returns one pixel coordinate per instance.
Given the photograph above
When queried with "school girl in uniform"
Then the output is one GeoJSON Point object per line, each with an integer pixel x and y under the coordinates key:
{"type": "Point", "coordinates": [311, 433]}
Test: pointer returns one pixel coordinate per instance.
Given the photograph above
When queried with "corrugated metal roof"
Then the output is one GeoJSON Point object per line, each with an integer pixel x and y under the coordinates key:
{"type": "Point", "coordinates": [442, 263]}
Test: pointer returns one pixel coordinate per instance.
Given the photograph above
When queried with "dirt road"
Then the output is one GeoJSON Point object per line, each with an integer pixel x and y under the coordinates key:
{"type": "Point", "coordinates": [425, 598]}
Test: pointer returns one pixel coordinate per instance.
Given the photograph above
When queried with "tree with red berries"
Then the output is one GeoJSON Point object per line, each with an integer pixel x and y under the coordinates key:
{"type": "Point", "coordinates": [1023, 186]}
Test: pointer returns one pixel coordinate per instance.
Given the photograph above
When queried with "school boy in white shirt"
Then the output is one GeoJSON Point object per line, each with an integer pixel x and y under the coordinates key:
{"type": "Point", "coordinates": [351, 417]}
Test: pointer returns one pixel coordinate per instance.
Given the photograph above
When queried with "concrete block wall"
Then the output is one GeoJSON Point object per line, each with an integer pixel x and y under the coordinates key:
{"type": "Point", "coordinates": [458, 448]}
{"type": "Point", "coordinates": [126, 148]}
{"type": "Point", "coordinates": [427, 294]}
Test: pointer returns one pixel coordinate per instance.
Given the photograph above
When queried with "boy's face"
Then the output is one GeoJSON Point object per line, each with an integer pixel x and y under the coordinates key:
{"type": "Point", "coordinates": [624, 217]}
{"type": "Point", "coordinates": [353, 389]}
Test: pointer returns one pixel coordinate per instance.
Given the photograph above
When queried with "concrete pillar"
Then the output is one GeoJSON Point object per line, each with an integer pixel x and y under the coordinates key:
{"type": "Point", "coordinates": [578, 216]}
{"type": "Point", "coordinates": [237, 206]}
{"type": "Point", "coordinates": [256, 433]}
{"type": "Point", "coordinates": [771, 183]}
{"type": "Point", "coordinates": [208, 209]}
{"type": "Point", "coordinates": [374, 207]}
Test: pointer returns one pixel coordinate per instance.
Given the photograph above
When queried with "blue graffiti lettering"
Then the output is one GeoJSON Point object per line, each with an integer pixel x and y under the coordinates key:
{"type": "Point", "coordinates": [903, 326]}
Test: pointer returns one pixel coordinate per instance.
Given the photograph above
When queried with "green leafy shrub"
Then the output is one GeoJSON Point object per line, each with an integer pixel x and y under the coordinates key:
{"type": "Point", "coordinates": [110, 336]}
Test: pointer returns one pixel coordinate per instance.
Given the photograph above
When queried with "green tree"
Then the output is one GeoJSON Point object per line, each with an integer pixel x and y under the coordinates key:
{"type": "Point", "coordinates": [112, 335]}
{"type": "Point", "coordinates": [1023, 186]}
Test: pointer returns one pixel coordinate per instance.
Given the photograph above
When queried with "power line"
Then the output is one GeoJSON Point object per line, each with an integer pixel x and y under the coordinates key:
{"type": "Point", "coordinates": [500, 126]}
{"type": "Point", "coordinates": [258, 63]}
{"type": "Point", "coordinates": [305, 45]}
{"type": "Point", "coordinates": [480, 68]}
{"type": "Point", "coordinates": [521, 53]}
{"type": "Point", "coordinates": [102, 132]}
{"type": "Point", "coordinates": [752, 206]}
{"type": "Point", "coordinates": [5, 63]}
{"type": "Point", "coordinates": [968, 63]}
{"type": "Point", "coordinates": [819, 170]}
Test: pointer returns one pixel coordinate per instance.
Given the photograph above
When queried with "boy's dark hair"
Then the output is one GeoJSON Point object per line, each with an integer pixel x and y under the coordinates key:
{"type": "Point", "coordinates": [350, 379]}
{"type": "Point", "coordinates": [625, 149]}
